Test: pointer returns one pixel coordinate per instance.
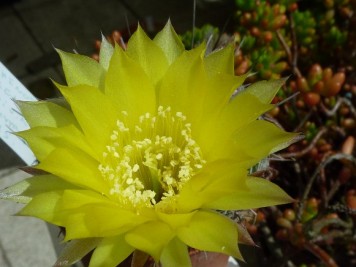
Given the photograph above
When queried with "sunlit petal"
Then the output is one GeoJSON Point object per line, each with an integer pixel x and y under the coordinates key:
{"type": "Point", "coordinates": [110, 252]}
{"type": "Point", "coordinates": [205, 233]}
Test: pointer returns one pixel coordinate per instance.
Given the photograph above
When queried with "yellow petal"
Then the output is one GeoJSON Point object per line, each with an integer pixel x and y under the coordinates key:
{"type": "Point", "coordinates": [169, 42]}
{"type": "Point", "coordinates": [220, 88]}
{"type": "Point", "coordinates": [150, 56]}
{"type": "Point", "coordinates": [174, 220]}
{"type": "Point", "coordinates": [72, 137]}
{"type": "Point", "coordinates": [216, 174]}
{"type": "Point", "coordinates": [261, 138]}
{"type": "Point", "coordinates": [186, 73]}
{"type": "Point", "coordinates": [79, 69]}
{"type": "Point", "coordinates": [44, 206]}
{"type": "Point", "coordinates": [44, 113]}
{"type": "Point", "coordinates": [176, 254]}
{"type": "Point", "coordinates": [60, 101]}
{"type": "Point", "coordinates": [106, 51]}
{"type": "Point", "coordinates": [265, 90]}
{"type": "Point", "coordinates": [208, 98]}
{"type": "Point", "coordinates": [242, 110]}
{"type": "Point", "coordinates": [93, 215]}
{"type": "Point", "coordinates": [128, 86]}
{"type": "Point", "coordinates": [96, 220]}
{"type": "Point", "coordinates": [261, 193]}
{"type": "Point", "coordinates": [215, 181]}
{"type": "Point", "coordinates": [210, 231]}
{"type": "Point", "coordinates": [150, 237]}
{"type": "Point", "coordinates": [24, 191]}
{"type": "Point", "coordinates": [110, 252]}
{"type": "Point", "coordinates": [43, 140]}
{"type": "Point", "coordinates": [95, 113]}
{"type": "Point", "coordinates": [74, 199]}
{"type": "Point", "coordinates": [35, 139]}
{"type": "Point", "coordinates": [239, 112]}
{"type": "Point", "coordinates": [221, 61]}
{"type": "Point", "coordinates": [75, 167]}
{"type": "Point", "coordinates": [187, 87]}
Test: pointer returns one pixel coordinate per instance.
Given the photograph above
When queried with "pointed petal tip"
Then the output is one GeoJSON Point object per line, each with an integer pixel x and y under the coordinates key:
{"type": "Point", "coordinates": [102, 36]}
{"type": "Point", "coordinates": [298, 137]}
{"type": "Point", "coordinates": [168, 23]}
{"type": "Point", "coordinates": [286, 78]}
{"type": "Point", "coordinates": [139, 29]}
{"type": "Point", "coordinates": [60, 52]}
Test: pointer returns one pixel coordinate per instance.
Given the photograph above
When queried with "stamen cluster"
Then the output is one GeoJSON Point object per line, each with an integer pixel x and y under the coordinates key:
{"type": "Point", "coordinates": [150, 160]}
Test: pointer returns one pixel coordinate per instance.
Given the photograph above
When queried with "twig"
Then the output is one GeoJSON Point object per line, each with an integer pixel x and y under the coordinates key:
{"type": "Point", "coordinates": [331, 112]}
{"type": "Point", "coordinates": [345, 171]}
{"type": "Point", "coordinates": [193, 20]}
{"type": "Point", "coordinates": [322, 188]}
{"type": "Point", "coordinates": [130, 9]}
{"type": "Point", "coordinates": [303, 121]}
{"type": "Point", "coordinates": [285, 46]}
{"type": "Point", "coordinates": [340, 100]}
{"type": "Point", "coordinates": [294, 47]}
{"type": "Point", "coordinates": [301, 153]}
{"type": "Point", "coordinates": [327, 238]}
{"type": "Point", "coordinates": [223, 30]}
{"type": "Point", "coordinates": [337, 156]}
{"type": "Point", "coordinates": [339, 130]}
{"type": "Point", "coordinates": [287, 99]}
{"type": "Point", "coordinates": [342, 209]}
{"type": "Point", "coordinates": [271, 119]}
{"type": "Point", "coordinates": [320, 224]}
{"type": "Point", "coordinates": [334, 188]}
{"type": "Point", "coordinates": [350, 105]}
{"type": "Point", "coordinates": [298, 170]}
{"type": "Point", "coordinates": [291, 57]}
{"type": "Point", "coordinates": [321, 254]}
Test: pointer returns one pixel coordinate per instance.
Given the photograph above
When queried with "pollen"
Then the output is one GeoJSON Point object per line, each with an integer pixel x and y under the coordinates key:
{"type": "Point", "coordinates": [151, 160]}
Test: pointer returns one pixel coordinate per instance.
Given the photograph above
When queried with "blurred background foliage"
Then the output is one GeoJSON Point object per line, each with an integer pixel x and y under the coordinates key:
{"type": "Point", "coordinates": [314, 43]}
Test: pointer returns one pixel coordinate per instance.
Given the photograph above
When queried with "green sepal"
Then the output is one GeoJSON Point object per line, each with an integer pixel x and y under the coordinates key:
{"type": "Point", "coordinates": [75, 250]}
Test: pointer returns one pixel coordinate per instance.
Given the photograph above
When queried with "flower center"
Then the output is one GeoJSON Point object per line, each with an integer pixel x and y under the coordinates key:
{"type": "Point", "coordinates": [150, 160]}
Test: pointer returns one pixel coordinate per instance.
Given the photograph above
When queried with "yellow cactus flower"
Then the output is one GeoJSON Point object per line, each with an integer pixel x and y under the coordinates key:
{"type": "Point", "coordinates": [147, 147]}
